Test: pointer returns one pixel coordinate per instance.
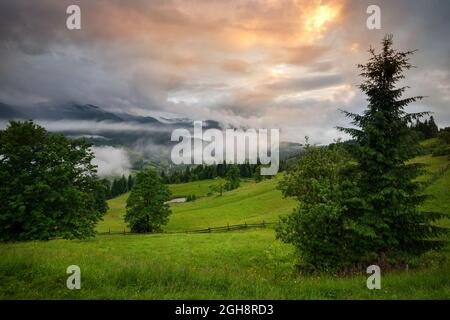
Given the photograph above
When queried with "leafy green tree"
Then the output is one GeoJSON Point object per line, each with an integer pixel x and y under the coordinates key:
{"type": "Point", "coordinates": [48, 186]}
{"type": "Point", "coordinates": [317, 228]}
{"type": "Point", "coordinates": [146, 210]}
{"type": "Point", "coordinates": [257, 174]}
{"type": "Point", "coordinates": [386, 215]}
{"type": "Point", "coordinates": [218, 186]}
{"type": "Point", "coordinates": [233, 177]}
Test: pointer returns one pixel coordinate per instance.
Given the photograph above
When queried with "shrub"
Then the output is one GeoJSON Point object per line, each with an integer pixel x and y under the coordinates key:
{"type": "Point", "coordinates": [318, 226]}
{"type": "Point", "coordinates": [233, 178]}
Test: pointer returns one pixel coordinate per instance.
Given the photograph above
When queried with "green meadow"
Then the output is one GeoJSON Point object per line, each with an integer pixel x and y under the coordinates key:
{"type": "Point", "coordinates": [246, 264]}
{"type": "Point", "coordinates": [251, 203]}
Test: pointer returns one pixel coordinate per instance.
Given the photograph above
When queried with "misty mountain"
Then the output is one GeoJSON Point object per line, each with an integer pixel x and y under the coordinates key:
{"type": "Point", "coordinates": [68, 112]}
{"type": "Point", "coordinates": [146, 139]}
{"type": "Point", "coordinates": [89, 112]}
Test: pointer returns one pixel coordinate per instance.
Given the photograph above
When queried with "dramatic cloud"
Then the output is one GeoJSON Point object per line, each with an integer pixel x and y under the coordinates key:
{"type": "Point", "coordinates": [270, 63]}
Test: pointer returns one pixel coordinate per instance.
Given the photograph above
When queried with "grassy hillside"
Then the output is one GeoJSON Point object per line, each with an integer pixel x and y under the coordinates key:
{"type": "Point", "coordinates": [113, 220]}
{"type": "Point", "coordinates": [251, 203]}
{"type": "Point", "coordinates": [432, 165]}
{"type": "Point", "coordinates": [440, 197]}
{"type": "Point", "coordinates": [250, 264]}
{"type": "Point", "coordinates": [199, 188]}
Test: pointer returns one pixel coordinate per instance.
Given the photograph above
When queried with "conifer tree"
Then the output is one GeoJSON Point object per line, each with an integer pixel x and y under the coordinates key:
{"type": "Point", "coordinates": [130, 182]}
{"type": "Point", "coordinates": [386, 215]}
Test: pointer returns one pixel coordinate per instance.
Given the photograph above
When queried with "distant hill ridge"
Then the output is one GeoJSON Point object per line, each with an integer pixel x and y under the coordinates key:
{"type": "Point", "coordinates": [149, 138]}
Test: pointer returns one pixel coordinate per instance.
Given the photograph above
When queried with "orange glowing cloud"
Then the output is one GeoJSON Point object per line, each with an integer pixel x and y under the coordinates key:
{"type": "Point", "coordinates": [318, 18]}
{"type": "Point", "coordinates": [293, 22]}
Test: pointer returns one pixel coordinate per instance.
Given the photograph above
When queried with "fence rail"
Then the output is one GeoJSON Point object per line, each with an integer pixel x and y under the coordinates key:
{"type": "Point", "coordinates": [226, 228]}
{"type": "Point", "coordinates": [436, 175]}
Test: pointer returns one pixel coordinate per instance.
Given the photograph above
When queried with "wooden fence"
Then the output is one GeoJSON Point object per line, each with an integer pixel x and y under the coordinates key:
{"type": "Point", "coordinates": [226, 228]}
{"type": "Point", "coordinates": [436, 175]}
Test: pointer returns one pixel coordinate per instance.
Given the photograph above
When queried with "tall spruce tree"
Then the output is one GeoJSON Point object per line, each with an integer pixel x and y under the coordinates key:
{"type": "Point", "coordinates": [433, 129]}
{"type": "Point", "coordinates": [130, 182]}
{"type": "Point", "coordinates": [386, 215]}
{"type": "Point", "coordinates": [123, 183]}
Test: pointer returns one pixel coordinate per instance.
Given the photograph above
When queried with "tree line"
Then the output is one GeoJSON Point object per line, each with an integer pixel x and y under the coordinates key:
{"type": "Point", "coordinates": [119, 185]}
{"type": "Point", "coordinates": [426, 129]}
{"type": "Point", "coordinates": [204, 172]}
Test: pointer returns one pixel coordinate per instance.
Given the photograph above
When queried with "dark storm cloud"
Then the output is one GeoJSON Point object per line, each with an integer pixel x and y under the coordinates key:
{"type": "Point", "coordinates": [287, 64]}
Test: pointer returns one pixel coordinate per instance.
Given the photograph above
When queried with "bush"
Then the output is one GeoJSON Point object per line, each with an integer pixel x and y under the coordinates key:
{"type": "Point", "coordinates": [318, 226]}
{"type": "Point", "coordinates": [191, 197]}
{"type": "Point", "coordinates": [219, 186]}
{"type": "Point", "coordinates": [233, 178]}
{"type": "Point", "coordinates": [443, 145]}
{"type": "Point", "coordinates": [441, 150]}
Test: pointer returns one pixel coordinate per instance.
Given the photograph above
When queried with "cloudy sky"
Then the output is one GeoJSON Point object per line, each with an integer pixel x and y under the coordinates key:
{"type": "Point", "coordinates": [269, 63]}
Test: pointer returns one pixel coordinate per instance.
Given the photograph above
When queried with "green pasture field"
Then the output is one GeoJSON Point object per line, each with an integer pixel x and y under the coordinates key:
{"type": "Point", "coordinates": [247, 264]}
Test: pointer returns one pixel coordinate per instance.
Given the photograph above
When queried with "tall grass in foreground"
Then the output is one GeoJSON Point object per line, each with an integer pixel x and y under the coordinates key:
{"type": "Point", "coordinates": [241, 265]}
